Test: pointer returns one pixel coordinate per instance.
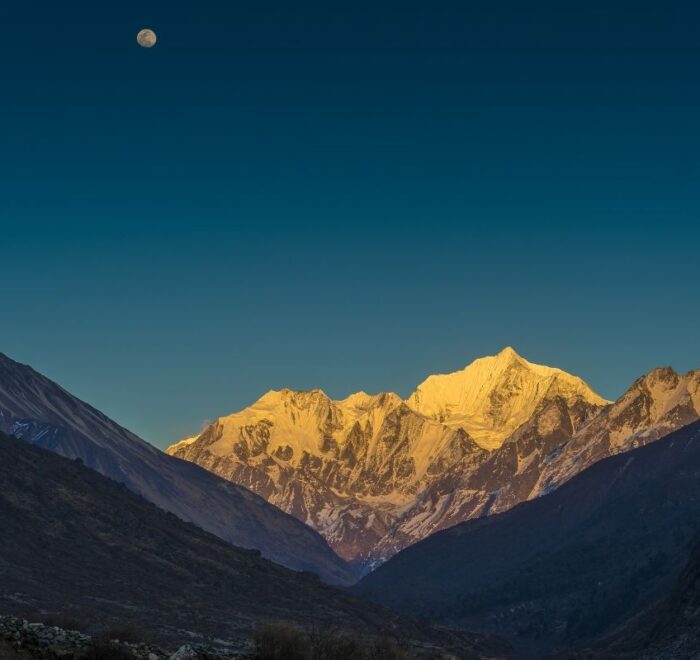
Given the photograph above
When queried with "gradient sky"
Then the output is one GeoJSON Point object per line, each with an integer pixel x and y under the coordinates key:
{"type": "Point", "coordinates": [344, 195]}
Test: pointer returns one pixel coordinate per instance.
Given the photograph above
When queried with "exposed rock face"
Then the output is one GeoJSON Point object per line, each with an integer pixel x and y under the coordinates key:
{"type": "Point", "coordinates": [346, 468]}
{"type": "Point", "coordinates": [39, 411]}
{"type": "Point", "coordinates": [505, 477]}
{"type": "Point", "coordinates": [656, 404]}
{"type": "Point", "coordinates": [374, 474]}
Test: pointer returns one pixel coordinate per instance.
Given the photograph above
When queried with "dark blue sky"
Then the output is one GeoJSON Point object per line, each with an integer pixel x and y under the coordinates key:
{"type": "Point", "coordinates": [344, 195]}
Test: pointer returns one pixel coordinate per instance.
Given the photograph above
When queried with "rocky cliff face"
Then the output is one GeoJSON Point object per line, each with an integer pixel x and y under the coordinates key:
{"type": "Point", "coordinates": [374, 474]}
{"type": "Point", "coordinates": [505, 477]}
{"type": "Point", "coordinates": [657, 404]}
{"type": "Point", "coordinates": [346, 468]}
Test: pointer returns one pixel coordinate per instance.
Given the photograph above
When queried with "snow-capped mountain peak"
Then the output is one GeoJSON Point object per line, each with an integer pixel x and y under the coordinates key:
{"type": "Point", "coordinates": [374, 473]}
{"type": "Point", "coordinates": [494, 395]}
{"type": "Point", "coordinates": [656, 404]}
{"type": "Point", "coordinates": [351, 468]}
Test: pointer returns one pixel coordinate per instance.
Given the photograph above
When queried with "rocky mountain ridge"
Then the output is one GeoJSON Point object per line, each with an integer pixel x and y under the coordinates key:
{"type": "Point", "coordinates": [342, 467]}
{"type": "Point", "coordinates": [374, 474]}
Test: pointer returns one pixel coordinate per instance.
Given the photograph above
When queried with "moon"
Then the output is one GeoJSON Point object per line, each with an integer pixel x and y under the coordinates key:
{"type": "Point", "coordinates": [146, 38]}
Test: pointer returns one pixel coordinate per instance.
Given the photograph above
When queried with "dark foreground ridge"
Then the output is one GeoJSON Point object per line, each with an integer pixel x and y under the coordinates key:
{"type": "Point", "coordinates": [75, 540]}
{"type": "Point", "coordinates": [565, 569]}
{"type": "Point", "coordinates": [668, 630]}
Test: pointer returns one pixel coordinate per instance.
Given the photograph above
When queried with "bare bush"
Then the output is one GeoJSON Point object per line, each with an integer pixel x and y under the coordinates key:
{"type": "Point", "coordinates": [386, 648]}
{"type": "Point", "coordinates": [281, 641]}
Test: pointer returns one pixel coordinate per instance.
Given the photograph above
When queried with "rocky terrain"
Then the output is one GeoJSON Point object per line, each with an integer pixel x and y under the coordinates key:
{"type": "Point", "coordinates": [75, 540]}
{"type": "Point", "coordinates": [22, 638]}
{"type": "Point", "coordinates": [39, 411]}
{"type": "Point", "coordinates": [375, 474]}
{"type": "Point", "coordinates": [569, 567]}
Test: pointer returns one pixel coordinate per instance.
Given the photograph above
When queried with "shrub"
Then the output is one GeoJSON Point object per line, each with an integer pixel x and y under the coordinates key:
{"type": "Point", "coordinates": [100, 650]}
{"type": "Point", "coordinates": [387, 649]}
{"type": "Point", "coordinates": [124, 632]}
{"type": "Point", "coordinates": [342, 647]}
{"type": "Point", "coordinates": [281, 641]}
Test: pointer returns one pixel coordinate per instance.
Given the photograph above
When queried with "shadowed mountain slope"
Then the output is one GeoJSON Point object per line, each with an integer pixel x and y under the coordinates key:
{"type": "Point", "coordinates": [37, 410]}
{"type": "Point", "coordinates": [73, 539]}
{"type": "Point", "coordinates": [567, 567]}
{"type": "Point", "coordinates": [667, 630]}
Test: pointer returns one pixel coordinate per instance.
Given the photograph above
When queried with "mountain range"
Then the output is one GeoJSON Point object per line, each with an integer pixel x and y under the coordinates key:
{"type": "Point", "coordinates": [376, 473]}
{"type": "Point", "coordinates": [521, 504]}
{"type": "Point", "coordinates": [37, 410]}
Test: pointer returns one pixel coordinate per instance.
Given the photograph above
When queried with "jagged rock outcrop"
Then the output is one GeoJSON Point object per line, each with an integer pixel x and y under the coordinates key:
{"type": "Point", "coordinates": [657, 404]}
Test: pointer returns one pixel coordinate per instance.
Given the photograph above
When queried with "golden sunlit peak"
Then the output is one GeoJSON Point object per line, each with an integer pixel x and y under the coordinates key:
{"type": "Point", "coordinates": [509, 352]}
